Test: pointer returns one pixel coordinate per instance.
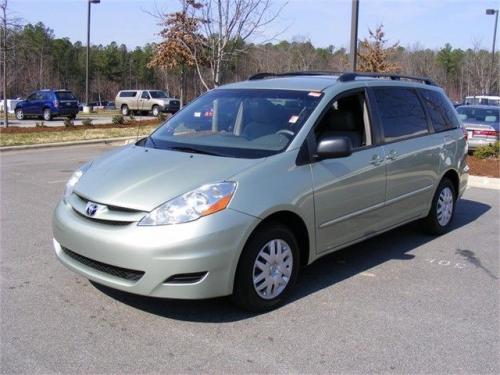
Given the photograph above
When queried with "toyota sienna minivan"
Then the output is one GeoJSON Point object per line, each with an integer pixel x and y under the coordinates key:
{"type": "Point", "coordinates": [253, 180]}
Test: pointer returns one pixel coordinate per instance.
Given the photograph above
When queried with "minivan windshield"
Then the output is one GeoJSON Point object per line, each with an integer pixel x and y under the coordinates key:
{"type": "Point", "coordinates": [158, 94]}
{"type": "Point", "coordinates": [243, 123]}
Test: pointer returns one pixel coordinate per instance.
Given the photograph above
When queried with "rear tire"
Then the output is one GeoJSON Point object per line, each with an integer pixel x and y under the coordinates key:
{"type": "Point", "coordinates": [124, 110]}
{"type": "Point", "coordinates": [267, 269]}
{"type": "Point", "coordinates": [47, 114]}
{"type": "Point", "coordinates": [156, 111]}
{"type": "Point", "coordinates": [19, 114]}
{"type": "Point", "coordinates": [442, 210]}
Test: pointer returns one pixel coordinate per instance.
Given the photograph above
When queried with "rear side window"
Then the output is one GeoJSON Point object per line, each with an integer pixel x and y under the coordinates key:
{"type": "Point", "coordinates": [65, 95]}
{"type": "Point", "coordinates": [442, 114]}
{"type": "Point", "coordinates": [401, 113]}
{"type": "Point", "coordinates": [128, 94]}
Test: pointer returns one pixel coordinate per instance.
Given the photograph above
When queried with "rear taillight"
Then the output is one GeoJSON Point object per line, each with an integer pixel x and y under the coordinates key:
{"type": "Point", "coordinates": [56, 103]}
{"type": "Point", "coordinates": [485, 133]}
{"type": "Point", "coordinates": [465, 132]}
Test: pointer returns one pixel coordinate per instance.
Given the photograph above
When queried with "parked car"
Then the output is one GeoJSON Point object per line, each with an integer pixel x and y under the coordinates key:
{"type": "Point", "coordinates": [482, 123]}
{"type": "Point", "coordinates": [154, 101]}
{"type": "Point", "coordinates": [284, 170]}
{"type": "Point", "coordinates": [482, 99]}
{"type": "Point", "coordinates": [48, 104]}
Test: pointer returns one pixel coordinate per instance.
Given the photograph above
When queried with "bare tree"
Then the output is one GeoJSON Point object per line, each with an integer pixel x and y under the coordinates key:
{"type": "Point", "coordinates": [3, 7]}
{"type": "Point", "coordinates": [227, 26]}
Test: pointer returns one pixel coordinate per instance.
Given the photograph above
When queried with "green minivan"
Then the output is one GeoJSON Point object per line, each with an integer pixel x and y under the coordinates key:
{"type": "Point", "coordinates": [253, 180]}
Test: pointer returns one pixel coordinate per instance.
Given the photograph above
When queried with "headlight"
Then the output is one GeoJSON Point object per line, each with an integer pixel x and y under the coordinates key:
{"type": "Point", "coordinates": [70, 185]}
{"type": "Point", "coordinates": [197, 203]}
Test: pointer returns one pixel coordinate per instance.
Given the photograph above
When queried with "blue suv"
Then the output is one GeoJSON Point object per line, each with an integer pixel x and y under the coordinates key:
{"type": "Point", "coordinates": [48, 104]}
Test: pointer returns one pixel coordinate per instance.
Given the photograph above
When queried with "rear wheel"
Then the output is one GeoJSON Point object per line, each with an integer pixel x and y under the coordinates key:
{"type": "Point", "coordinates": [443, 207]}
{"type": "Point", "coordinates": [19, 114]}
{"type": "Point", "coordinates": [156, 111]}
{"type": "Point", "coordinates": [47, 114]}
{"type": "Point", "coordinates": [124, 109]}
{"type": "Point", "coordinates": [267, 269]}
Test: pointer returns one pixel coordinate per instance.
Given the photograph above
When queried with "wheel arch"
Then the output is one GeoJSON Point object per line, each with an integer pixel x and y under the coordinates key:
{"type": "Point", "coordinates": [298, 227]}
{"type": "Point", "coordinates": [453, 176]}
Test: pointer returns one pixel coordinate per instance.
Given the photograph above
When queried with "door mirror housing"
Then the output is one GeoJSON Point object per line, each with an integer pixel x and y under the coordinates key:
{"type": "Point", "coordinates": [333, 147]}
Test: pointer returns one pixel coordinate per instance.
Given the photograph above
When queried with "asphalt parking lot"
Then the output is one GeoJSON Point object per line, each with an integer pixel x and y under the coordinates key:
{"type": "Point", "coordinates": [403, 302]}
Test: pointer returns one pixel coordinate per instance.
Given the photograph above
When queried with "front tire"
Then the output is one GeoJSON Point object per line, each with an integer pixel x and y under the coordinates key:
{"type": "Point", "coordinates": [267, 269]}
{"type": "Point", "coordinates": [47, 114]}
{"type": "Point", "coordinates": [125, 111]}
{"type": "Point", "coordinates": [442, 210]}
{"type": "Point", "coordinates": [19, 114]}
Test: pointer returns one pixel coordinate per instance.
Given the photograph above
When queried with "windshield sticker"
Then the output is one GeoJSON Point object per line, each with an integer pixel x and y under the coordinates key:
{"type": "Point", "coordinates": [197, 114]}
{"type": "Point", "coordinates": [314, 94]}
{"type": "Point", "coordinates": [293, 119]}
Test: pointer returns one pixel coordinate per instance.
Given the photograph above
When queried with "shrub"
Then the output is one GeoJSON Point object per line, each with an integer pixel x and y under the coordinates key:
{"type": "Point", "coordinates": [87, 122]}
{"type": "Point", "coordinates": [68, 122]}
{"type": "Point", "coordinates": [131, 116]}
{"type": "Point", "coordinates": [40, 124]}
{"type": "Point", "coordinates": [162, 116]}
{"type": "Point", "coordinates": [487, 151]}
{"type": "Point", "coordinates": [118, 120]}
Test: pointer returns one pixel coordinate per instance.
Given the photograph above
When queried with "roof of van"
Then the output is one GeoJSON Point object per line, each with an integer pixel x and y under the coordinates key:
{"type": "Point", "coordinates": [317, 81]}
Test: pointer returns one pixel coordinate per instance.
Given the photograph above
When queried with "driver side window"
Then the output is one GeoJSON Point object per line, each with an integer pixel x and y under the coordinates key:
{"type": "Point", "coordinates": [347, 117]}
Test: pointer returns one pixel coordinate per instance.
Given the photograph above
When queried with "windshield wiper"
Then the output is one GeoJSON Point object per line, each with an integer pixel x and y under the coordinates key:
{"type": "Point", "coordinates": [192, 150]}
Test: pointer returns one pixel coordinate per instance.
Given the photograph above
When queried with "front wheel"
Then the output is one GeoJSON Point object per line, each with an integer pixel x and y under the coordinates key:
{"type": "Point", "coordinates": [443, 207]}
{"type": "Point", "coordinates": [47, 114]}
{"type": "Point", "coordinates": [267, 269]}
{"type": "Point", "coordinates": [19, 114]}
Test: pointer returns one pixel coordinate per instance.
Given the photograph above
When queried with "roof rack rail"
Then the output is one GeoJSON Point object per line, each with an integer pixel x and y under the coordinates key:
{"type": "Point", "coordinates": [351, 76]}
{"type": "Point", "coordinates": [264, 75]}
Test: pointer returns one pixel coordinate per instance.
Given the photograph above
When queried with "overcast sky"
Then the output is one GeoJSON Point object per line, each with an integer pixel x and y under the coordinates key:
{"type": "Point", "coordinates": [430, 23]}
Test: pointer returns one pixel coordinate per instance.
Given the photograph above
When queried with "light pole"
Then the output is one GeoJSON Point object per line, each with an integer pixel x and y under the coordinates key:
{"type": "Point", "coordinates": [90, 2]}
{"type": "Point", "coordinates": [491, 12]}
{"type": "Point", "coordinates": [354, 34]}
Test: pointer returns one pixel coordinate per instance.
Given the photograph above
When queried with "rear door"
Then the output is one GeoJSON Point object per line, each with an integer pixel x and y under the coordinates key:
{"type": "Point", "coordinates": [412, 155]}
{"type": "Point", "coordinates": [349, 192]}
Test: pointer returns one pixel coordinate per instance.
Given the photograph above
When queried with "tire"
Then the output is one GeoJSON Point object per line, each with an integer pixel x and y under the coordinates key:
{"type": "Point", "coordinates": [257, 284]}
{"type": "Point", "coordinates": [19, 114]}
{"type": "Point", "coordinates": [124, 110]}
{"type": "Point", "coordinates": [47, 114]}
{"type": "Point", "coordinates": [442, 210]}
{"type": "Point", "coordinates": [156, 110]}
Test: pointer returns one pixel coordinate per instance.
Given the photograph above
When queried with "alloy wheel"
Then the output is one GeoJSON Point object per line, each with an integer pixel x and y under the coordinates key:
{"type": "Point", "coordinates": [444, 209]}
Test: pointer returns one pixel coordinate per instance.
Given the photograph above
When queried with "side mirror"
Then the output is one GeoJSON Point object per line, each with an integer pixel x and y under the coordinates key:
{"type": "Point", "coordinates": [333, 147]}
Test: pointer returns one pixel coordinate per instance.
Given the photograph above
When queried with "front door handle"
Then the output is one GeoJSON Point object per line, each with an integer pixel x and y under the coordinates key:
{"type": "Point", "coordinates": [392, 155]}
{"type": "Point", "coordinates": [376, 159]}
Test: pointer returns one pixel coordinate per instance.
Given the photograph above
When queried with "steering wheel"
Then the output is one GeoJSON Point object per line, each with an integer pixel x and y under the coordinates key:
{"type": "Point", "coordinates": [286, 132]}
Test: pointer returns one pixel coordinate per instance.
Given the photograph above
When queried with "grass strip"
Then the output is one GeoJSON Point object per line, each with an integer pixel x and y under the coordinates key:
{"type": "Point", "coordinates": [15, 139]}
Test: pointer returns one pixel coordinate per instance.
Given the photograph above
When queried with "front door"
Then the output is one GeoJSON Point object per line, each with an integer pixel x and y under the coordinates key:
{"type": "Point", "coordinates": [349, 192]}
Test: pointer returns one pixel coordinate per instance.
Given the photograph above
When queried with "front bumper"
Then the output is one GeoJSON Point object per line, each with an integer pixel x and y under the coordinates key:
{"type": "Point", "coordinates": [212, 244]}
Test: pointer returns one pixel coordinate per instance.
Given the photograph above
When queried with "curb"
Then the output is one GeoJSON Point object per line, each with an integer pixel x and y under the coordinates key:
{"type": "Point", "coordinates": [484, 182]}
{"type": "Point", "coordinates": [123, 140]}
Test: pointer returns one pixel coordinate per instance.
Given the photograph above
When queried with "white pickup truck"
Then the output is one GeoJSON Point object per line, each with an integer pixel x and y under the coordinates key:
{"type": "Point", "coordinates": [154, 101]}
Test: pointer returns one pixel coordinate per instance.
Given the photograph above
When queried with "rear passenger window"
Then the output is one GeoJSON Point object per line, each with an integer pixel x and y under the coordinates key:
{"type": "Point", "coordinates": [401, 113]}
{"type": "Point", "coordinates": [127, 94]}
{"type": "Point", "coordinates": [441, 112]}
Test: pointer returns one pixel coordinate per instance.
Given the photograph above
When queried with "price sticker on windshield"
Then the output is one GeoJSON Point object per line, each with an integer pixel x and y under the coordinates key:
{"type": "Point", "coordinates": [293, 119]}
{"type": "Point", "coordinates": [314, 94]}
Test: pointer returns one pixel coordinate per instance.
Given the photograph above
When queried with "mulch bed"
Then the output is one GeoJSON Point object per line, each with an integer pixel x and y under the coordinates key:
{"type": "Point", "coordinates": [18, 129]}
{"type": "Point", "coordinates": [484, 167]}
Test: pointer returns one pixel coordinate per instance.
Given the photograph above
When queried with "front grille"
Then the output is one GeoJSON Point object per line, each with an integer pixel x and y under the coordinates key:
{"type": "Point", "coordinates": [122, 273]}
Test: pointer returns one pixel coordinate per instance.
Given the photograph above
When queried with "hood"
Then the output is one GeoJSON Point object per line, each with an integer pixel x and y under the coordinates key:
{"type": "Point", "coordinates": [143, 178]}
